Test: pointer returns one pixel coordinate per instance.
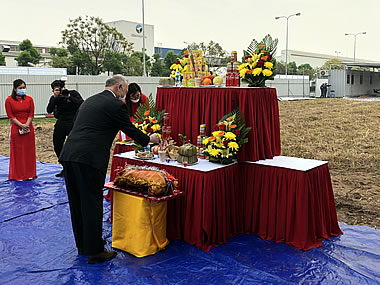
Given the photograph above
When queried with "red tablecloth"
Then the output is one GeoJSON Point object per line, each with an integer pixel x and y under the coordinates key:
{"type": "Point", "coordinates": [210, 211]}
{"type": "Point", "coordinates": [190, 107]}
{"type": "Point", "coordinates": [291, 206]}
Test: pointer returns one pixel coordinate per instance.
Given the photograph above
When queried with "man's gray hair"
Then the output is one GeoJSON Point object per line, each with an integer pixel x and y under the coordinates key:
{"type": "Point", "coordinates": [116, 79]}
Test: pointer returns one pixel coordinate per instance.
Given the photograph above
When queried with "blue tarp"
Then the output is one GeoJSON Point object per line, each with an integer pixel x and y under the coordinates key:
{"type": "Point", "coordinates": [37, 246]}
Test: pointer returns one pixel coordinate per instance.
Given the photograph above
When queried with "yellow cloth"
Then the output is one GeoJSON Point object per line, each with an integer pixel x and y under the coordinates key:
{"type": "Point", "coordinates": [139, 224]}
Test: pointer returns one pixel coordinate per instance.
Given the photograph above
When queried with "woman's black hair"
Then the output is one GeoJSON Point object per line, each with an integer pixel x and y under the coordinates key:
{"type": "Point", "coordinates": [132, 89]}
{"type": "Point", "coordinates": [16, 84]}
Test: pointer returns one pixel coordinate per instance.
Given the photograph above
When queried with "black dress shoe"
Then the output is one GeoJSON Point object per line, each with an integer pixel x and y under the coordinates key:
{"type": "Point", "coordinates": [101, 257]}
{"type": "Point", "coordinates": [61, 174]}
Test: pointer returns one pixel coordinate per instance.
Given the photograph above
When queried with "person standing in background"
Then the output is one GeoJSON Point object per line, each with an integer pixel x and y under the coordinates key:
{"type": "Point", "coordinates": [64, 104]}
{"type": "Point", "coordinates": [133, 100]}
{"type": "Point", "coordinates": [20, 111]}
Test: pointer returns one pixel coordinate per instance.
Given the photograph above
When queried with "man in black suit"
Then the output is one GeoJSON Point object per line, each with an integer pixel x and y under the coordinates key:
{"type": "Point", "coordinates": [85, 157]}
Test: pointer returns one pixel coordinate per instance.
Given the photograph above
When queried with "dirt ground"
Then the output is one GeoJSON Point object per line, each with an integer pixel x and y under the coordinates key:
{"type": "Point", "coordinates": [343, 132]}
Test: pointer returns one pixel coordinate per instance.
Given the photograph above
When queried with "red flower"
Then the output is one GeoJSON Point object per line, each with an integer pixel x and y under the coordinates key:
{"type": "Point", "coordinates": [222, 127]}
{"type": "Point", "coordinates": [146, 120]}
{"type": "Point", "coordinates": [186, 56]}
{"type": "Point", "coordinates": [149, 130]}
{"type": "Point", "coordinates": [249, 71]}
{"type": "Point", "coordinates": [215, 128]}
{"type": "Point", "coordinates": [269, 56]}
{"type": "Point", "coordinates": [177, 62]}
{"type": "Point", "coordinates": [237, 132]}
{"type": "Point", "coordinates": [260, 63]}
{"type": "Point", "coordinates": [139, 122]}
{"type": "Point", "coordinates": [225, 143]}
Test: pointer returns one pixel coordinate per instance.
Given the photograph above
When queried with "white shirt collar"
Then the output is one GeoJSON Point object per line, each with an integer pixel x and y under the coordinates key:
{"type": "Point", "coordinates": [111, 92]}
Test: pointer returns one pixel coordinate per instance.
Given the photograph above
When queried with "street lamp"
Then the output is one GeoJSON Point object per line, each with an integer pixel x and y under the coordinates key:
{"type": "Point", "coordinates": [362, 33]}
{"type": "Point", "coordinates": [286, 51]}
{"type": "Point", "coordinates": [143, 28]}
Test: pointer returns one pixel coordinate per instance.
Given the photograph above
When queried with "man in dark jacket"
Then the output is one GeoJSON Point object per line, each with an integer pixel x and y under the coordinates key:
{"type": "Point", "coordinates": [85, 157]}
{"type": "Point", "coordinates": [64, 104]}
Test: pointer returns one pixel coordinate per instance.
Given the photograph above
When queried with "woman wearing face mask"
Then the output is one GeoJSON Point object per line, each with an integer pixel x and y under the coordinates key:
{"type": "Point", "coordinates": [20, 111]}
{"type": "Point", "coordinates": [133, 100]}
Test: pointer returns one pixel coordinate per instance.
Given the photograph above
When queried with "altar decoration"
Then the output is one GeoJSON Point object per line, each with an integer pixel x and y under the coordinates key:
{"type": "Point", "coordinates": [260, 64]}
{"type": "Point", "coordinates": [148, 118]}
{"type": "Point", "coordinates": [148, 180]}
{"type": "Point", "coordinates": [196, 67]}
{"type": "Point", "coordinates": [227, 138]}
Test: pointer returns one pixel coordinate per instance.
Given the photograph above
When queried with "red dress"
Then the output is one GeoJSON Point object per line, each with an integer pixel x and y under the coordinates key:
{"type": "Point", "coordinates": [135, 106]}
{"type": "Point", "coordinates": [22, 164]}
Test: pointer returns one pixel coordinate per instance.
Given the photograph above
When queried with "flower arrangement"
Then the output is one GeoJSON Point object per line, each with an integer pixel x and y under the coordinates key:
{"type": "Point", "coordinates": [227, 138]}
{"type": "Point", "coordinates": [259, 64]}
{"type": "Point", "coordinates": [179, 66]}
{"type": "Point", "coordinates": [148, 119]}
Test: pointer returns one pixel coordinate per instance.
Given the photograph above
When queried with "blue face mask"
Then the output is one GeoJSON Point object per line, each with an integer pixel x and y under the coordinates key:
{"type": "Point", "coordinates": [21, 92]}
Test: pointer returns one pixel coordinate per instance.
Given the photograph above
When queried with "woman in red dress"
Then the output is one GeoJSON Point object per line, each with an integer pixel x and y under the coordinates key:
{"type": "Point", "coordinates": [20, 111]}
{"type": "Point", "coordinates": [133, 99]}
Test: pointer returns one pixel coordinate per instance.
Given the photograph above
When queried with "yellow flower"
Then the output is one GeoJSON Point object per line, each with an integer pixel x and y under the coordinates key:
{"type": "Point", "coordinates": [267, 72]}
{"type": "Point", "coordinates": [243, 72]}
{"type": "Point", "coordinates": [205, 141]}
{"type": "Point", "coordinates": [217, 133]}
{"type": "Point", "coordinates": [225, 153]}
{"type": "Point", "coordinates": [242, 66]}
{"type": "Point", "coordinates": [257, 71]}
{"type": "Point", "coordinates": [143, 131]}
{"type": "Point", "coordinates": [230, 136]}
{"type": "Point", "coordinates": [136, 125]}
{"type": "Point", "coordinates": [268, 65]}
{"type": "Point", "coordinates": [233, 145]}
{"type": "Point", "coordinates": [214, 152]}
{"type": "Point", "coordinates": [156, 127]}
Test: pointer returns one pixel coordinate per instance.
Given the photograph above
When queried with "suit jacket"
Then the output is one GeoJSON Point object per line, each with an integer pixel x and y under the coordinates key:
{"type": "Point", "coordinates": [98, 120]}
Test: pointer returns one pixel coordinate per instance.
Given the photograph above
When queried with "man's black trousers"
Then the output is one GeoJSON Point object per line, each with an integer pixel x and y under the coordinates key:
{"type": "Point", "coordinates": [62, 129]}
{"type": "Point", "coordinates": [84, 186]}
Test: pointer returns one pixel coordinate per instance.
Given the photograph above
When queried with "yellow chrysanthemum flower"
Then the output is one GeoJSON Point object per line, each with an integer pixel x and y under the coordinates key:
{"type": "Point", "coordinates": [143, 131]}
{"type": "Point", "coordinates": [205, 141]}
{"type": "Point", "coordinates": [242, 66]}
{"type": "Point", "coordinates": [267, 72]}
{"type": "Point", "coordinates": [214, 152]}
{"type": "Point", "coordinates": [230, 136]}
{"type": "Point", "coordinates": [156, 127]}
{"type": "Point", "coordinates": [243, 72]}
{"type": "Point", "coordinates": [257, 71]}
{"type": "Point", "coordinates": [136, 125]}
{"type": "Point", "coordinates": [268, 65]}
{"type": "Point", "coordinates": [233, 145]}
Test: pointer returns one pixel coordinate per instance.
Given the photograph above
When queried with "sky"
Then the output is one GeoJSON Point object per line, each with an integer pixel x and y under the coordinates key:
{"type": "Point", "coordinates": [232, 24]}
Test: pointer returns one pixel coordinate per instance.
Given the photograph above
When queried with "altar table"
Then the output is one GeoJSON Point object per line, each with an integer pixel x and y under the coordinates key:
{"type": "Point", "coordinates": [210, 211]}
{"type": "Point", "coordinates": [289, 200]}
{"type": "Point", "coordinates": [189, 107]}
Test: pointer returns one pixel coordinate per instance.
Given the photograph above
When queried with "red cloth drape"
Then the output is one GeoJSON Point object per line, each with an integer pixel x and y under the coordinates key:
{"type": "Point", "coordinates": [210, 211]}
{"type": "Point", "coordinates": [191, 107]}
{"type": "Point", "coordinates": [290, 206]}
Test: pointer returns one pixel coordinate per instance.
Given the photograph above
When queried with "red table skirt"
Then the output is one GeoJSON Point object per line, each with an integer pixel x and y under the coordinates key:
{"type": "Point", "coordinates": [190, 107]}
{"type": "Point", "coordinates": [210, 211]}
{"type": "Point", "coordinates": [290, 206]}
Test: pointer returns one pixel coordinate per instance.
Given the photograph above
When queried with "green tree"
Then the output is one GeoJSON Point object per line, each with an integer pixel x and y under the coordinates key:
{"type": "Point", "coordinates": [158, 67]}
{"type": "Point", "coordinates": [331, 62]}
{"type": "Point", "coordinates": [29, 55]}
{"type": "Point", "coordinates": [61, 59]}
{"type": "Point", "coordinates": [139, 55]}
{"type": "Point", "coordinates": [306, 69]}
{"type": "Point", "coordinates": [215, 54]}
{"type": "Point", "coordinates": [169, 59]}
{"type": "Point", "coordinates": [280, 67]}
{"type": "Point", "coordinates": [133, 66]}
{"type": "Point", "coordinates": [292, 68]}
{"type": "Point", "coordinates": [2, 59]}
{"type": "Point", "coordinates": [114, 62]}
{"type": "Point", "coordinates": [90, 39]}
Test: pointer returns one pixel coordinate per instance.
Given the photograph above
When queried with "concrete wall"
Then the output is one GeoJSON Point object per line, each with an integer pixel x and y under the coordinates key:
{"type": "Point", "coordinates": [290, 86]}
{"type": "Point", "coordinates": [38, 87]}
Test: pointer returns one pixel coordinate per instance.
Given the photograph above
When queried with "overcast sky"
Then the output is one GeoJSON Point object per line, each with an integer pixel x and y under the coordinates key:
{"type": "Point", "coordinates": [231, 23]}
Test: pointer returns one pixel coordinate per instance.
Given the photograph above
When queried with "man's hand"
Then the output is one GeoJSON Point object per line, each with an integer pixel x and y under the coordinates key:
{"type": "Point", "coordinates": [154, 138]}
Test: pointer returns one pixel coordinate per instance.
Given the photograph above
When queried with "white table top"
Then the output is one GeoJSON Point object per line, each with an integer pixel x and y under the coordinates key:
{"type": "Point", "coordinates": [294, 163]}
{"type": "Point", "coordinates": [202, 165]}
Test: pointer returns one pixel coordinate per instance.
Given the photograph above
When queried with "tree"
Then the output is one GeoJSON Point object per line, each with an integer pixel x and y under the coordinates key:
{"type": "Point", "coordinates": [169, 59]}
{"type": "Point", "coordinates": [133, 66]}
{"type": "Point", "coordinates": [28, 54]}
{"type": "Point", "coordinates": [114, 62]}
{"type": "Point", "coordinates": [139, 55]}
{"type": "Point", "coordinates": [61, 59]}
{"type": "Point", "coordinates": [2, 59]}
{"type": "Point", "coordinates": [331, 62]}
{"type": "Point", "coordinates": [215, 54]}
{"type": "Point", "coordinates": [306, 69]}
{"type": "Point", "coordinates": [292, 68]}
{"type": "Point", "coordinates": [158, 67]}
{"type": "Point", "coordinates": [89, 39]}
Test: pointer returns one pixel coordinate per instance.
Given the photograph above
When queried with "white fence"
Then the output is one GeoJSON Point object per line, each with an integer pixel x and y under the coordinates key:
{"type": "Point", "coordinates": [38, 87]}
